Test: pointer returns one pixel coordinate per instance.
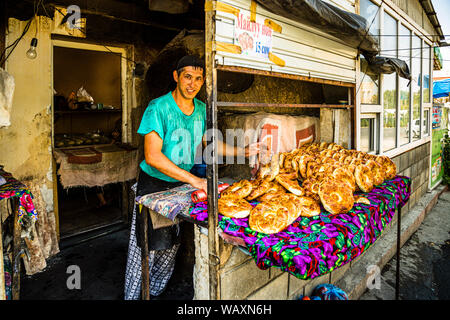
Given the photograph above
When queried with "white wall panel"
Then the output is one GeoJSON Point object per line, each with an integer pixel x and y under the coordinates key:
{"type": "Point", "coordinates": [347, 5]}
{"type": "Point", "coordinates": [306, 51]}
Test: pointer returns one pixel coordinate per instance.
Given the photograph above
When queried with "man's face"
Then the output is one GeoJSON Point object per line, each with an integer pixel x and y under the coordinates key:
{"type": "Point", "coordinates": [189, 82]}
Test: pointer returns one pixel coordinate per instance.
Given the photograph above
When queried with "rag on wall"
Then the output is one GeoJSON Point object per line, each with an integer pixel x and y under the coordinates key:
{"type": "Point", "coordinates": [326, 291]}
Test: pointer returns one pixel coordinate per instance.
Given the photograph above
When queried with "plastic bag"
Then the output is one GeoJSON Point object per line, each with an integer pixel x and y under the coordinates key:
{"type": "Point", "coordinates": [351, 28]}
{"type": "Point", "coordinates": [7, 86]}
{"type": "Point", "coordinates": [84, 96]}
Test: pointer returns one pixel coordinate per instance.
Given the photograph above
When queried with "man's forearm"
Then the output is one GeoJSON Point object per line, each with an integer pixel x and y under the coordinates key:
{"type": "Point", "coordinates": [227, 150]}
{"type": "Point", "coordinates": [167, 167]}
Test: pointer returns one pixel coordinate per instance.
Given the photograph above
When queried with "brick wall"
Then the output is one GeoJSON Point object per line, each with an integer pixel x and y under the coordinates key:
{"type": "Point", "coordinates": [415, 164]}
{"type": "Point", "coordinates": [241, 279]}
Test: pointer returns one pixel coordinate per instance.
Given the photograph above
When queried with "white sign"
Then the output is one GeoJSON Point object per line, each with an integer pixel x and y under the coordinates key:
{"type": "Point", "coordinates": [254, 38]}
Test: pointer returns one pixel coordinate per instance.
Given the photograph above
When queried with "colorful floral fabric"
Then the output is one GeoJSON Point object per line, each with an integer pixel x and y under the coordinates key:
{"type": "Point", "coordinates": [14, 188]}
{"type": "Point", "coordinates": [311, 247]}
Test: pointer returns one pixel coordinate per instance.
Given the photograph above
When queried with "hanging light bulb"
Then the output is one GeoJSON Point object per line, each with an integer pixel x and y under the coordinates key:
{"type": "Point", "coordinates": [32, 53]}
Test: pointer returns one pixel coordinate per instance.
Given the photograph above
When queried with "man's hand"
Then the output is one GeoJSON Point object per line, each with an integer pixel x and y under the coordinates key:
{"type": "Point", "coordinates": [253, 149]}
{"type": "Point", "coordinates": [200, 183]}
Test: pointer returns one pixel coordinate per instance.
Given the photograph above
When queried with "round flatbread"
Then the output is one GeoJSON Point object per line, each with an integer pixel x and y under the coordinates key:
{"type": "Point", "coordinates": [290, 182]}
{"type": "Point", "coordinates": [268, 217]}
{"type": "Point", "coordinates": [377, 172]}
{"type": "Point", "coordinates": [260, 186]}
{"type": "Point", "coordinates": [336, 196]}
{"type": "Point", "coordinates": [364, 178]}
{"type": "Point", "coordinates": [239, 190]}
{"type": "Point", "coordinates": [234, 208]}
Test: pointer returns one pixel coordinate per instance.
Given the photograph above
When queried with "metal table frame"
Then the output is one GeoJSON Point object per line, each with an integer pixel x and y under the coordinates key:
{"type": "Point", "coordinates": [397, 270]}
{"type": "Point", "coordinates": [17, 253]}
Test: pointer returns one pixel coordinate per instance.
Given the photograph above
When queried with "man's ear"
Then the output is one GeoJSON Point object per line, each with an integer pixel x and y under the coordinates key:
{"type": "Point", "coordinates": [175, 76]}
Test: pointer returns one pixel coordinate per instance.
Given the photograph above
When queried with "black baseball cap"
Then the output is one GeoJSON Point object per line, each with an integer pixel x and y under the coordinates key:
{"type": "Point", "coordinates": [190, 61]}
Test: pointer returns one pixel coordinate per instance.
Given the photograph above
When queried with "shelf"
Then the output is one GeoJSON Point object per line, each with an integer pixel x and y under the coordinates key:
{"type": "Point", "coordinates": [87, 111]}
{"type": "Point", "coordinates": [83, 146]}
{"type": "Point", "coordinates": [252, 107]}
{"type": "Point", "coordinates": [285, 76]}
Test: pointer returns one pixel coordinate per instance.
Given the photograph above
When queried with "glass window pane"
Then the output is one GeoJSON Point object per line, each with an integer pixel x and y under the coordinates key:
{"type": "Point", "coordinates": [426, 122]}
{"type": "Point", "coordinates": [415, 86]}
{"type": "Point", "coordinates": [389, 111]}
{"type": "Point", "coordinates": [426, 73]}
{"type": "Point", "coordinates": [389, 43]}
{"type": "Point", "coordinates": [368, 135]}
{"type": "Point", "coordinates": [389, 49]}
{"type": "Point", "coordinates": [371, 12]}
{"type": "Point", "coordinates": [369, 87]}
{"type": "Point", "coordinates": [404, 52]}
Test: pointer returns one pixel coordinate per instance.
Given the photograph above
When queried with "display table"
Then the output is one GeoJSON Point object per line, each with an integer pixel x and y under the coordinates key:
{"type": "Point", "coordinates": [96, 165]}
{"type": "Point", "coordinates": [22, 205]}
{"type": "Point", "coordinates": [310, 247]}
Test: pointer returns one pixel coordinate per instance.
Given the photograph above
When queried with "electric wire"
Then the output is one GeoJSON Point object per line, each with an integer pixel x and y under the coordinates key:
{"type": "Point", "coordinates": [81, 30]}
{"type": "Point", "coordinates": [14, 44]}
{"type": "Point", "coordinates": [367, 67]}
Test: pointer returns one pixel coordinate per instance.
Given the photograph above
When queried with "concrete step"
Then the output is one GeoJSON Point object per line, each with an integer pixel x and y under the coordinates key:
{"type": "Point", "coordinates": [361, 273]}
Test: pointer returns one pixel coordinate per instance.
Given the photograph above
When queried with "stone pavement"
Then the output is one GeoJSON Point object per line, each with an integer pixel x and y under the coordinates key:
{"type": "Point", "coordinates": [424, 261]}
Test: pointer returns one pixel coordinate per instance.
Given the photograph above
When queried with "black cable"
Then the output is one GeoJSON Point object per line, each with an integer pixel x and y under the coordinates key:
{"type": "Point", "coordinates": [367, 32]}
{"type": "Point", "coordinates": [24, 32]}
{"type": "Point", "coordinates": [64, 16]}
{"type": "Point", "coordinates": [416, 49]}
{"type": "Point", "coordinates": [45, 10]}
{"type": "Point", "coordinates": [15, 43]}
{"type": "Point", "coordinates": [405, 35]}
{"type": "Point", "coordinates": [368, 29]}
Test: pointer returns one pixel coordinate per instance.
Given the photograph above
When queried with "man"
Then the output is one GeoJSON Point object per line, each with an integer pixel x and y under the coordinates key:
{"type": "Point", "coordinates": [173, 126]}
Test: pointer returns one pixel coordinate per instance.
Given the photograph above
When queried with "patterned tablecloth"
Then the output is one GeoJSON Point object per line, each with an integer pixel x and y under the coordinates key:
{"type": "Point", "coordinates": [311, 247]}
{"type": "Point", "coordinates": [15, 188]}
{"type": "Point", "coordinates": [169, 203]}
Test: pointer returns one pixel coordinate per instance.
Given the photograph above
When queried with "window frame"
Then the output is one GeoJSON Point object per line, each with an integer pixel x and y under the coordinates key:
{"type": "Point", "coordinates": [428, 105]}
{"type": "Point", "coordinates": [368, 110]}
{"type": "Point", "coordinates": [374, 131]}
{"type": "Point", "coordinates": [371, 107]}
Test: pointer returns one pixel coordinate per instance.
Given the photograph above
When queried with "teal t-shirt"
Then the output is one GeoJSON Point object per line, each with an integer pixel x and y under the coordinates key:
{"type": "Point", "coordinates": [181, 134]}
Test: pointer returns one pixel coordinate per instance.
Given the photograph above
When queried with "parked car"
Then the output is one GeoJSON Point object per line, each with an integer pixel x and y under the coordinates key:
{"type": "Point", "coordinates": [416, 128]}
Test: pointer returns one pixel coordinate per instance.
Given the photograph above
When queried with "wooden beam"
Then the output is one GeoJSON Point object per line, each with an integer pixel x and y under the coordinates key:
{"type": "Point", "coordinates": [16, 249]}
{"type": "Point", "coordinates": [212, 171]}
{"type": "Point", "coordinates": [284, 75]}
{"type": "Point", "coordinates": [136, 13]}
{"type": "Point", "coordinates": [2, 267]}
{"type": "Point", "coordinates": [236, 105]}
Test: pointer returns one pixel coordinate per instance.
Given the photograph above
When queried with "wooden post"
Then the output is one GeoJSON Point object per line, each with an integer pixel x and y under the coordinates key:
{"type": "Point", "coordinates": [16, 249]}
{"type": "Point", "coordinates": [125, 200]}
{"type": "Point", "coordinates": [212, 167]}
{"type": "Point", "coordinates": [2, 267]}
{"type": "Point", "coordinates": [397, 271]}
{"type": "Point", "coordinates": [145, 284]}
{"type": "Point", "coordinates": [353, 117]}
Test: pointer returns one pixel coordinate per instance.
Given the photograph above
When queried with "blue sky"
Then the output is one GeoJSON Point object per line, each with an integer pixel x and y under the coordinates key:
{"type": "Point", "coordinates": [442, 8]}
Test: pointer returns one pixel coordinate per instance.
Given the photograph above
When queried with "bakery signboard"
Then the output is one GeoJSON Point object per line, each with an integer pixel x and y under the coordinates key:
{"type": "Point", "coordinates": [254, 37]}
{"type": "Point", "coordinates": [437, 134]}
